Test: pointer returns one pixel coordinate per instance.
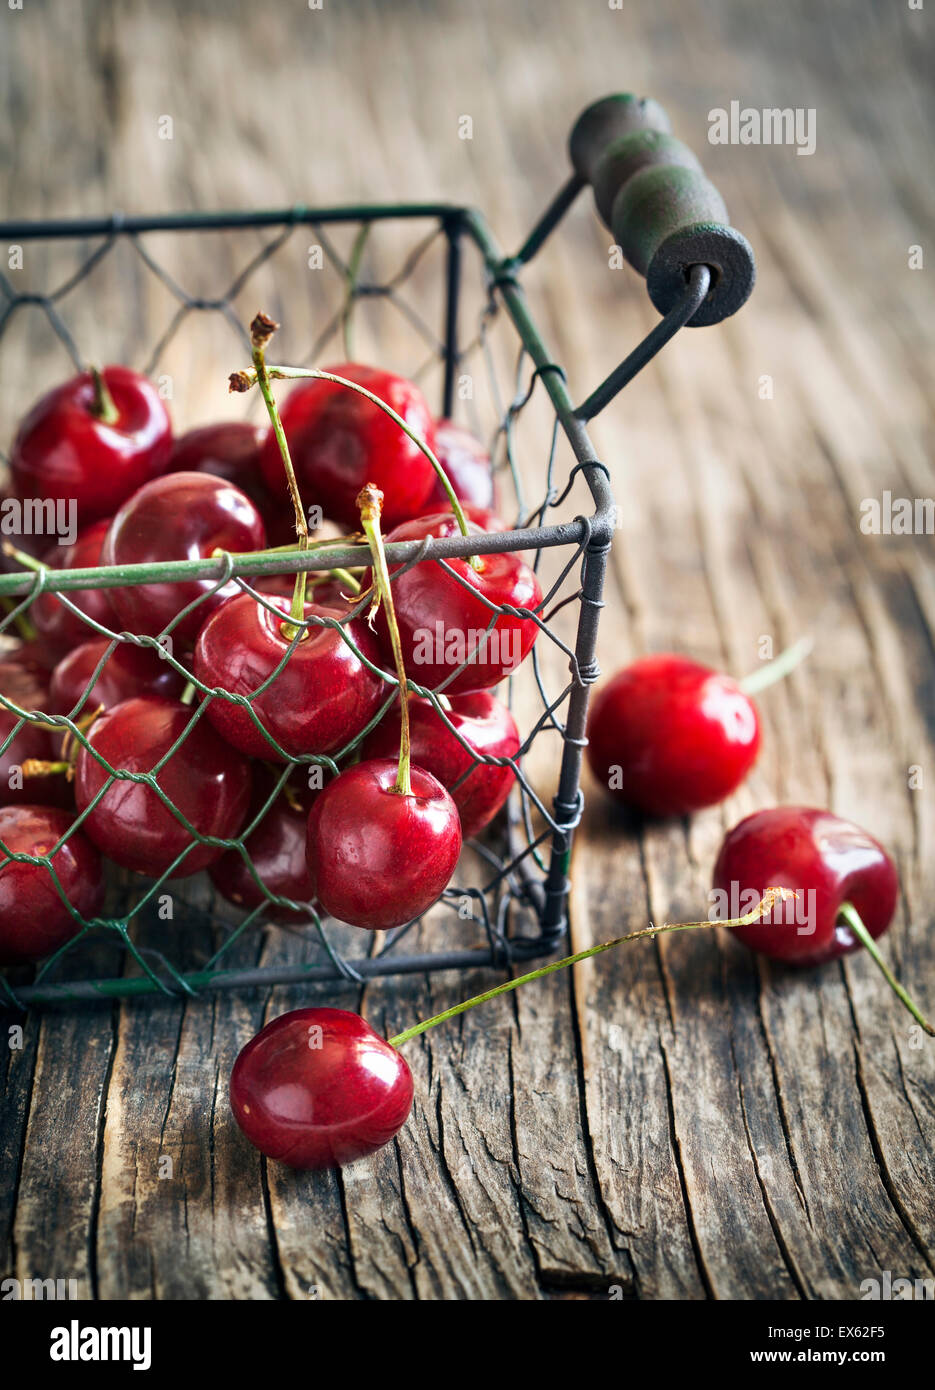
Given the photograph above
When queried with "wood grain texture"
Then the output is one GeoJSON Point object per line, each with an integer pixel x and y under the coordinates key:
{"type": "Point", "coordinates": [678, 1120]}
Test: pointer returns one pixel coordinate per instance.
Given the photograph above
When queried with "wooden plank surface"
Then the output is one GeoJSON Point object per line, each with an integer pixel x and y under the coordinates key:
{"type": "Point", "coordinates": [678, 1119]}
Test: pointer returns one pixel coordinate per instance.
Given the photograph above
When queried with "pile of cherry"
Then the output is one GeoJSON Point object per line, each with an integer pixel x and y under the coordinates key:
{"type": "Point", "coordinates": [305, 672]}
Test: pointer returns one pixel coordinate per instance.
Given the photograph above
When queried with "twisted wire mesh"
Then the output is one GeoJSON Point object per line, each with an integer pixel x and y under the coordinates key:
{"type": "Point", "coordinates": [509, 871]}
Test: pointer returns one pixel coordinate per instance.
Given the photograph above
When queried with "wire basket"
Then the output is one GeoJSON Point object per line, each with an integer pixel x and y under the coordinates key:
{"type": "Point", "coordinates": [508, 899]}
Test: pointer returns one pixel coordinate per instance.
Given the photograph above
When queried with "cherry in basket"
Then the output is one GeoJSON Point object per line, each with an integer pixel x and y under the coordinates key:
{"type": "Point", "coordinates": [35, 919]}
{"type": "Point", "coordinates": [95, 440]}
{"type": "Point", "coordinates": [183, 516]}
{"type": "Point", "coordinates": [207, 782]}
{"type": "Point", "coordinates": [340, 440]}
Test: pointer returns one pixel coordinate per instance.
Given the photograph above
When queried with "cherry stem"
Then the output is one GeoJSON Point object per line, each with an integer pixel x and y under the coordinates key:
{"type": "Point", "coordinates": [350, 299]}
{"type": "Point", "coordinates": [261, 330]}
{"type": "Point", "coordinates": [764, 906]}
{"type": "Point", "coordinates": [103, 408]}
{"type": "Point", "coordinates": [240, 381]}
{"type": "Point", "coordinates": [188, 694]}
{"type": "Point", "coordinates": [852, 917]}
{"type": "Point", "coordinates": [345, 577]}
{"type": "Point", "coordinates": [778, 668]}
{"type": "Point", "coordinates": [20, 620]}
{"type": "Point", "coordinates": [22, 558]}
{"type": "Point", "coordinates": [40, 767]}
{"type": "Point", "coordinates": [370, 502]}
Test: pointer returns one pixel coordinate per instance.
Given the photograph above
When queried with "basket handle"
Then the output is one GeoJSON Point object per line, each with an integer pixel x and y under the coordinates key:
{"type": "Point", "coordinates": [665, 215]}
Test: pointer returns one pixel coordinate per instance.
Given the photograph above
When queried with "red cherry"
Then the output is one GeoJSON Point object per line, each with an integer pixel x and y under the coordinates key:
{"type": "Point", "coordinates": [34, 921]}
{"type": "Point", "coordinates": [826, 861]}
{"type": "Point", "coordinates": [339, 441]}
{"type": "Point", "coordinates": [184, 516]}
{"type": "Point", "coordinates": [64, 450]}
{"type": "Point", "coordinates": [321, 699]}
{"type": "Point", "coordinates": [441, 623]}
{"type": "Point", "coordinates": [13, 530]}
{"type": "Point", "coordinates": [57, 626]}
{"type": "Point", "coordinates": [467, 464]}
{"type": "Point", "coordinates": [128, 671]}
{"type": "Point", "coordinates": [276, 849]}
{"type": "Point", "coordinates": [377, 857]}
{"type": "Point", "coordinates": [668, 736]}
{"type": "Point", "coordinates": [485, 724]}
{"type": "Point", "coordinates": [318, 1088]}
{"type": "Point", "coordinates": [204, 779]}
{"type": "Point", "coordinates": [229, 450]}
{"type": "Point", "coordinates": [25, 687]}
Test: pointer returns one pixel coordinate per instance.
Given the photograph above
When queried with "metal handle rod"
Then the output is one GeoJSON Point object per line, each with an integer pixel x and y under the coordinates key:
{"type": "Point", "coordinates": [699, 281]}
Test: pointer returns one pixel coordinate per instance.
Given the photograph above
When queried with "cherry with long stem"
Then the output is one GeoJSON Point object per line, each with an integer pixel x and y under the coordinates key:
{"type": "Point", "coordinates": [370, 502]}
{"type": "Point", "coordinates": [762, 908]}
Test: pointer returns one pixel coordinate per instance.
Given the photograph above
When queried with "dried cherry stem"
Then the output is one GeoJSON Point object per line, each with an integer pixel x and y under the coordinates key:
{"type": "Point", "coordinates": [41, 767]}
{"type": "Point", "coordinates": [765, 905]}
{"type": "Point", "coordinates": [852, 917]}
{"type": "Point", "coordinates": [244, 380]}
{"type": "Point", "coordinates": [370, 502]}
{"type": "Point", "coordinates": [778, 668]}
{"type": "Point", "coordinates": [261, 330]}
{"type": "Point", "coordinates": [103, 408]}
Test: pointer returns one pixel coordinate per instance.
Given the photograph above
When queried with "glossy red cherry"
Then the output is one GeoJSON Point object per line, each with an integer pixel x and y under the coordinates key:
{"type": "Point", "coordinates": [827, 861]}
{"type": "Point", "coordinates": [128, 671]}
{"type": "Point", "coordinates": [667, 736]}
{"type": "Point", "coordinates": [339, 441]}
{"type": "Point", "coordinates": [65, 450]}
{"type": "Point", "coordinates": [34, 919]}
{"type": "Point", "coordinates": [56, 625]}
{"type": "Point", "coordinates": [228, 450]}
{"type": "Point", "coordinates": [467, 464]}
{"type": "Point", "coordinates": [442, 623]}
{"type": "Point", "coordinates": [321, 699]}
{"type": "Point", "coordinates": [208, 782]}
{"type": "Point", "coordinates": [184, 516]}
{"type": "Point", "coordinates": [485, 724]}
{"type": "Point", "coordinates": [276, 849]}
{"type": "Point", "coordinates": [318, 1088]}
{"type": "Point", "coordinates": [25, 687]}
{"type": "Point", "coordinates": [379, 858]}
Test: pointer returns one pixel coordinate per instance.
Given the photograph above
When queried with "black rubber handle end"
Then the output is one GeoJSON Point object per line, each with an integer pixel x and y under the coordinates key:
{"type": "Point", "coordinates": [724, 250]}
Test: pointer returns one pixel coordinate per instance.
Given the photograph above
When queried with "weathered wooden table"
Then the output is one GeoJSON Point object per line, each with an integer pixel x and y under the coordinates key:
{"type": "Point", "coordinates": [677, 1120]}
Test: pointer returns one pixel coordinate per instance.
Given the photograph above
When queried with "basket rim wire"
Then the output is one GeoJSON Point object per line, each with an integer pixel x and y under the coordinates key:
{"type": "Point", "coordinates": [540, 886]}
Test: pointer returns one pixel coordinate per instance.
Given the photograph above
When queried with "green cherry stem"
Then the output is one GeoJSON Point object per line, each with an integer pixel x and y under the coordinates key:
{"type": "Point", "coordinates": [370, 502]}
{"type": "Point", "coordinates": [20, 621]}
{"type": "Point", "coordinates": [778, 668]}
{"type": "Point", "coordinates": [852, 917]}
{"type": "Point", "coordinates": [261, 330]}
{"type": "Point", "coordinates": [350, 296]}
{"type": "Point", "coordinates": [103, 407]}
{"type": "Point", "coordinates": [346, 578]}
{"type": "Point", "coordinates": [762, 908]}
